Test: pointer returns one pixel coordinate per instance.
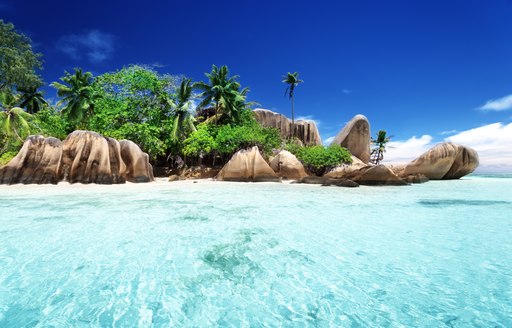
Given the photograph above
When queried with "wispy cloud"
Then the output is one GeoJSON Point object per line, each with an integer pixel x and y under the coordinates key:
{"type": "Point", "coordinates": [328, 141]}
{"type": "Point", "coordinates": [94, 45]}
{"type": "Point", "coordinates": [346, 91]}
{"type": "Point", "coordinates": [492, 142]}
{"type": "Point", "coordinates": [500, 104]}
{"type": "Point", "coordinates": [443, 133]}
{"type": "Point", "coordinates": [404, 151]}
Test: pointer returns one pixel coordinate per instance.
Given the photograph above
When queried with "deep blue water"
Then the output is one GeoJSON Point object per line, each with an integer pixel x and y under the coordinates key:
{"type": "Point", "coordinates": [257, 255]}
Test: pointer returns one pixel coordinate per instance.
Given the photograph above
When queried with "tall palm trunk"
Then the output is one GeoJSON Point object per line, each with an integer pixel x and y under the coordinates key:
{"type": "Point", "coordinates": [292, 132]}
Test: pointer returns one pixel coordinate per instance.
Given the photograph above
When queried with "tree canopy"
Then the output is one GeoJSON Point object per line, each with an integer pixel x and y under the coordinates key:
{"type": "Point", "coordinates": [18, 62]}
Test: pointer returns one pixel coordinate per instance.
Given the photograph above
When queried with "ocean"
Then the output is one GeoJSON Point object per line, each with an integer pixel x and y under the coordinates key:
{"type": "Point", "coordinates": [219, 254]}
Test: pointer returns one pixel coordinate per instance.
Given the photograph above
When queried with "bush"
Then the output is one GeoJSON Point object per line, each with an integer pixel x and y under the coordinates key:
{"type": "Point", "coordinates": [51, 123]}
{"type": "Point", "coordinates": [200, 142]}
{"type": "Point", "coordinates": [7, 156]}
{"type": "Point", "coordinates": [320, 159]}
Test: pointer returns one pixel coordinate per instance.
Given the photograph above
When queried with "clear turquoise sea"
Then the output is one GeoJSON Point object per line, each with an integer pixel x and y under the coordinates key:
{"type": "Point", "coordinates": [257, 255]}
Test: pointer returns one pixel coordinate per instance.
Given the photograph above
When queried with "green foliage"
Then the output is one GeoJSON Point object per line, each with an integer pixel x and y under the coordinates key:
{"type": "Point", "coordinates": [200, 142]}
{"type": "Point", "coordinates": [18, 61]}
{"type": "Point", "coordinates": [136, 103]}
{"type": "Point", "coordinates": [379, 147]}
{"type": "Point", "coordinates": [224, 93]}
{"type": "Point", "coordinates": [143, 134]}
{"type": "Point", "coordinates": [32, 99]}
{"type": "Point", "coordinates": [228, 139]}
{"type": "Point", "coordinates": [7, 156]}
{"type": "Point", "coordinates": [319, 159]}
{"type": "Point", "coordinates": [14, 122]}
{"type": "Point", "coordinates": [50, 123]}
{"type": "Point", "coordinates": [78, 96]}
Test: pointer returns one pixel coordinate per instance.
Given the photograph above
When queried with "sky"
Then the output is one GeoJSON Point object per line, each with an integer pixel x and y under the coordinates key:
{"type": "Point", "coordinates": [426, 71]}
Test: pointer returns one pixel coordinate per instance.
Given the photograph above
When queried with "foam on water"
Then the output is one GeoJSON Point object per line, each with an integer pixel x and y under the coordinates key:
{"type": "Point", "coordinates": [226, 254]}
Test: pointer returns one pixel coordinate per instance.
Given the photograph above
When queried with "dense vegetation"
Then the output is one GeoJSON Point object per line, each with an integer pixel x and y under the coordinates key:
{"type": "Point", "coordinates": [320, 159]}
{"type": "Point", "coordinates": [176, 121]}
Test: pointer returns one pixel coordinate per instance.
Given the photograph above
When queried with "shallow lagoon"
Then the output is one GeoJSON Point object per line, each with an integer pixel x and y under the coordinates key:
{"type": "Point", "coordinates": [233, 254]}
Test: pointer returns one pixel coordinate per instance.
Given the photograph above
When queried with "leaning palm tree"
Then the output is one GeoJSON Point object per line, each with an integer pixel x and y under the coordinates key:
{"type": "Point", "coordinates": [379, 147]}
{"type": "Point", "coordinates": [223, 92]}
{"type": "Point", "coordinates": [77, 94]}
{"type": "Point", "coordinates": [292, 79]}
{"type": "Point", "coordinates": [32, 100]}
{"type": "Point", "coordinates": [183, 119]}
{"type": "Point", "coordinates": [14, 121]}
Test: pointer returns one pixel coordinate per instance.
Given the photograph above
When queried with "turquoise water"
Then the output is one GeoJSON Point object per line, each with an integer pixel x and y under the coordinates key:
{"type": "Point", "coordinates": [255, 255]}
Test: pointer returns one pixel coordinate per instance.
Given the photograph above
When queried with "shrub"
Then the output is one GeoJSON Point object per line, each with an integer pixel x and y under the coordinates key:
{"type": "Point", "coordinates": [320, 159]}
{"type": "Point", "coordinates": [7, 156]}
{"type": "Point", "coordinates": [200, 142]}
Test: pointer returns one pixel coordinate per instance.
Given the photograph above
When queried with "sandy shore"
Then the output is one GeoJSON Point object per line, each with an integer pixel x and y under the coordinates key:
{"type": "Point", "coordinates": [157, 184]}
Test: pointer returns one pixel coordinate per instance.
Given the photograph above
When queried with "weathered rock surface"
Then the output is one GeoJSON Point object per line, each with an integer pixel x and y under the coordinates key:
{"type": "Point", "coordinates": [37, 161]}
{"type": "Point", "coordinates": [197, 172]}
{"type": "Point", "coordinates": [287, 166]}
{"type": "Point", "coordinates": [346, 170]}
{"type": "Point", "coordinates": [378, 175]}
{"type": "Point", "coordinates": [355, 136]}
{"type": "Point", "coordinates": [137, 164]}
{"type": "Point", "coordinates": [247, 165]}
{"type": "Point", "coordinates": [325, 181]}
{"type": "Point", "coordinates": [305, 131]}
{"type": "Point", "coordinates": [366, 174]}
{"type": "Point", "coordinates": [84, 157]}
{"type": "Point", "coordinates": [443, 162]}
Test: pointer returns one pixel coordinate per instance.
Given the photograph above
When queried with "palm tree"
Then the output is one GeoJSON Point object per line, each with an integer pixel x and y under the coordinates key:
{"type": "Point", "coordinates": [13, 120]}
{"type": "Point", "coordinates": [292, 79]}
{"type": "Point", "coordinates": [32, 100]}
{"type": "Point", "coordinates": [223, 92]}
{"type": "Point", "coordinates": [77, 94]}
{"type": "Point", "coordinates": [182, 117]}
{"type": "Point", "coordinates": [379, 147]}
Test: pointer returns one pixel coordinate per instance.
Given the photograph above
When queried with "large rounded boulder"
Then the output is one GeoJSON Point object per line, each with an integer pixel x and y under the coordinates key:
{"type": "Point", "coordinates": [355, 136]}
{"type": "Point", "coordinates": [247, 165]}
{"type": "Point", "coordinates": [287, 166]}
{"type": "Point", "coordinates": [83, 157]}
{"type": "Point", "coordinates": [37, 161]}
{"type": "Point", "coordinates": [444, 161]}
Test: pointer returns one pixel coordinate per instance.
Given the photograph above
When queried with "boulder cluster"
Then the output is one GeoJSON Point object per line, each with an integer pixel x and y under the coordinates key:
{"type": "Point", "coordinates": [88, 157]}
{"type": "Point", "coordinates": [84, 157]}
{"type": "Point", "coordinates": [443, 161]}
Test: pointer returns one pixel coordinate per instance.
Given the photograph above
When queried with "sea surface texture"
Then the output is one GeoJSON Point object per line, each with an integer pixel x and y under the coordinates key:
{"type": "Point", "coordinates": [257, 255]}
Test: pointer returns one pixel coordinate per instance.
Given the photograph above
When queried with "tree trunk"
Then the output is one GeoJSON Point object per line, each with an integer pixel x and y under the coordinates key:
{"type": "Point", "coordinates": [292, 130]}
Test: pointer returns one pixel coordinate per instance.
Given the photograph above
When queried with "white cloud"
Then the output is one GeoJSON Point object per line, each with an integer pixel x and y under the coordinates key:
{"type": "Point", "coordinates": [346, 91]}
{"type": "Point", "coordinates": [492, 143]}
{"type": "Point", "coordinates": [443, 133]}
{"type": "Point", "coordinates": [328, 141]}
{"type": "Point", "coordinates": [95, 45]}
{"type": "Point", "coordinates": [503, 103]}
{"type": "Point", "coordinates": [404, 151]}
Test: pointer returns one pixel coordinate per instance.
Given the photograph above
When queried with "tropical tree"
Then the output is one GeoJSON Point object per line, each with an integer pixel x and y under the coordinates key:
{"type": "Point", "coordinates": [292, 79]}
{"type": "Point", "coordinates": [224, 93]}
{"type": "Point", "coordinates": [78, 95]}
{"type": "Point", "coordinates": [18, 62]}
{"type": "Point", "coordinates": [14, 121]}
{"type": "Point", "coordinates": [379, 147]}
{"type": "Point", "coordinates": [32, 100]}
{"type": "Point", "coordinates": [183, 118]}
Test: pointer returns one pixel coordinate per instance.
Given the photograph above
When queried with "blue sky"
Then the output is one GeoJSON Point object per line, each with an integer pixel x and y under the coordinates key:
{"type": "Point", "coordinates": [426, 71]}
